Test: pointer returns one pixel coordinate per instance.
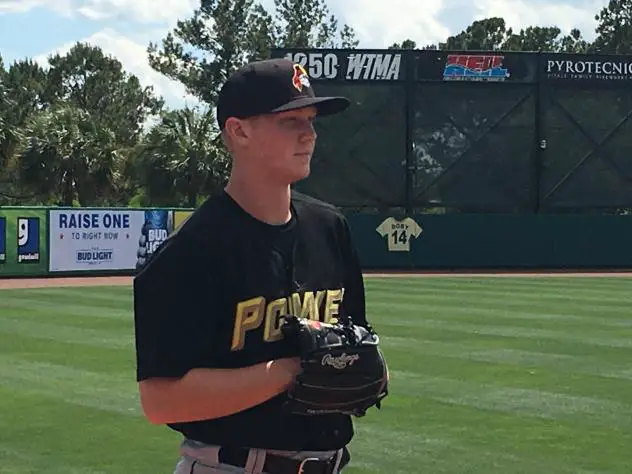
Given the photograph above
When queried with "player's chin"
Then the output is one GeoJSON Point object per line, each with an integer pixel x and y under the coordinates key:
{"type": "Point", "coordinates": [301, 163]}
{"type": "Point", "coordinates": [299, 173]}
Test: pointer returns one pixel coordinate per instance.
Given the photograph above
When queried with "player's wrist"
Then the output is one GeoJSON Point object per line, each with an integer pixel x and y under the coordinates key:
{"type": "Point", "coordinates": [284, 370]}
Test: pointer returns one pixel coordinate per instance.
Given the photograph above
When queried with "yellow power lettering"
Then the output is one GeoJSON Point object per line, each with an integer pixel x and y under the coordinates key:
{"type": "Point", "coordinates": [332, 304]}
{"type": "Point", "coordinates": [320, 297]}
{"type": "Point", "coordinates": [308, 307]}
{"type": "Point", "coordinates": [248, 316]}
{"type": "Point", "coordinates": [274, 311]}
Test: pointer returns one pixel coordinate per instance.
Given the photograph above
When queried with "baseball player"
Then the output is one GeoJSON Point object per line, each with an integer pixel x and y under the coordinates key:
{"type": "Point", "coordinates": [212, 360]}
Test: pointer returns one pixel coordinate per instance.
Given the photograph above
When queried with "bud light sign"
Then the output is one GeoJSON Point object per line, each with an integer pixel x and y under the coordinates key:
{"type": "Point", "coordinates": [156, 229]}
{"type": "Point", "coordinates": [94, 256]}
{"type": "Point", "coordinates": [94, 239]}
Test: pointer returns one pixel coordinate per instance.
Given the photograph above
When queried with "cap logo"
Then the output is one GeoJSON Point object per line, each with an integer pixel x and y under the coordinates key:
{"type": "Point", "coordinates": [300, 78]}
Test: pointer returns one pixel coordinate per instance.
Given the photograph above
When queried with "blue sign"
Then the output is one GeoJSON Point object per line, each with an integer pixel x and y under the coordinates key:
{"type": "Point", "coordinates": [3, 239]}
{"type": "Point", "coordinates": [28, 230]}
{"type": "Point", "coordinates": [155, 230]}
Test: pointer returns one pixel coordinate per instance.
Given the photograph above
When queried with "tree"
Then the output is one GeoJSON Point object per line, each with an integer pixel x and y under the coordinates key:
{"type": "Point", "coordinates": [575, 43]}
{"type": "Point", "coordinates": [69, 157]}
{"type": "Point", "coordinates": [533, 38]}
{"type": "Point", "coordinates": [180, 158]}
{"type": "Point", "coordinates": [614, 28]}
{"type": "Point", "coordinates": [536, 38]}
{"type": "Point", "coordinates": [202, 51]}
{"type": "Point", "coordinates": [492, 34]}
{"type": "Point", "coordinates": [5, 104]}
{"type": "Point", "coordinates": [25, 94]}
{"type": "Point", "coordinates": [9, 133]}
{"type": "Point", "coordinates": [488, 34]}
{"type": "Point", "coordinates": [406, 44]}
{"type": "Point", "coordinates": [96, 83]}
{"type": "Point", "coordinates": [308, 23]}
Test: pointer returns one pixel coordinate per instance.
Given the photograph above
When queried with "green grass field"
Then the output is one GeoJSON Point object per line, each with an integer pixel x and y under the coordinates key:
{"type": "Point", "coordinates": [489, 375]}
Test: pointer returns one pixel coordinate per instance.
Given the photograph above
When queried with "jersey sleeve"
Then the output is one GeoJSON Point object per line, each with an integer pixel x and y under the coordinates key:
{"type": "Point", "coordinates": [383, 228]}
{"type": "Point", "coordinates": [353, 303]}
{"type": "Point", "coordinates": [174, 328]}
{"type": "Point", "coordinates": [416, 230]}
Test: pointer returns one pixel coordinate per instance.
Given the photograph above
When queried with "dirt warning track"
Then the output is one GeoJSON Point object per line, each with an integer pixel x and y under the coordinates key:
{"type": "Point", "coordinates": [15, 283]}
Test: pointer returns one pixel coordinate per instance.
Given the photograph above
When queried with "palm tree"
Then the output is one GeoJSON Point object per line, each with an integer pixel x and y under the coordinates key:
{"type": "Point", "coordinates": [181, 158]}
{"type": "Point", "coordinates": [9, 134]}
{"type": "Point", "coordinates": [10, 138]}
{"type": "Point", "coordinates": [67, 155]}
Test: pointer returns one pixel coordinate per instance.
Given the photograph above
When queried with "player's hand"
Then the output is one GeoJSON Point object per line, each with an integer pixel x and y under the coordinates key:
{"type": "Point", "coordinates": [285, 370]}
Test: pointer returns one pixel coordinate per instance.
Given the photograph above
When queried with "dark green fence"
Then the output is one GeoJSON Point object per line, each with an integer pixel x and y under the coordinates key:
{"type": "Point", "coordinates": [473, 160]}
{"type": "Point", "coordinates": [493, 241]}
{"type": "Point", "coordinates": [502, 132]}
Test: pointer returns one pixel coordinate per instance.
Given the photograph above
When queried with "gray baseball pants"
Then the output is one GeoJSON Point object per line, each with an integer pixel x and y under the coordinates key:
{"type": "Point", "coordinates": [200, 458]}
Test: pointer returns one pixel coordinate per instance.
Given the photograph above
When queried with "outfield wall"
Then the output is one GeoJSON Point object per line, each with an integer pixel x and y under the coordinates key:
{"type": "Point", "coordinates": [493, 241]}
{"type": "Point", "coordinates": [67, 241]}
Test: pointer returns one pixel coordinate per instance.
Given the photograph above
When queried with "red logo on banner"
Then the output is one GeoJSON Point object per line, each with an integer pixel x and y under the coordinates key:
{"type": "Point", "coordinates": [475, 67]}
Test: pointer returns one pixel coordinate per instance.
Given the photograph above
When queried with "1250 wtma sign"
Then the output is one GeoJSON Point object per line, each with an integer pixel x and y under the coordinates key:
{"type": "Point", "coordinates": [348, 65]}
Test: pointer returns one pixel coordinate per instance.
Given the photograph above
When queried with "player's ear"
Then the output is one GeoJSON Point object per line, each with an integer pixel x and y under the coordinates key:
{"type": "Point", "coordinates": [238, 131]}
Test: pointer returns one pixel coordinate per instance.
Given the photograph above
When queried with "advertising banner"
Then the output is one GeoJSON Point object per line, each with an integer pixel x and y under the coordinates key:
{"type": "Point", "coordinates": [105, 239]}
{"type": "Point", "coordinates": [347, 65]}
{"type": "Point", "coordinates": [23, 246]}
{"type": "Point", "coordinates": [467, 66]}
{"type": "Point", "coordinates": [586, 68]}
{"type": "Point", "coordinates": [179, 217]}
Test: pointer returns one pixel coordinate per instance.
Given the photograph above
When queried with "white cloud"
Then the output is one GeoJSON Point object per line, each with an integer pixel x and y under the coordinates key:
{"type": "Point", "coordinates": [380, 23]}
{"type": "Point", "coordinates": [521, 13]}
{"type": "Point", "coordinates": [63, 7]}
{"type": "Point", "coordinates": [144, 11]}
{"type": "Point", "coordinates": [133, 57]}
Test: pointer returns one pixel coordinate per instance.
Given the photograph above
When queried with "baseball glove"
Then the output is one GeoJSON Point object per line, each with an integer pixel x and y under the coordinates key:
{"type": "Point", "coordinates": [343, 369]}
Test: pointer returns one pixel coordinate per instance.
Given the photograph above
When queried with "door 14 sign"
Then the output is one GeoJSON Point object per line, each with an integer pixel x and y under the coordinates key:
{"type": "Point", "coordinates": [399, 233]}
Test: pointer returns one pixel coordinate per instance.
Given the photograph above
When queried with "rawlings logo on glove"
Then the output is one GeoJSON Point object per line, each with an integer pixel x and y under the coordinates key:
{"type": "Point", "coordinates": [344, 370]}
{"type": "Point", "coordinates": [339, 362]}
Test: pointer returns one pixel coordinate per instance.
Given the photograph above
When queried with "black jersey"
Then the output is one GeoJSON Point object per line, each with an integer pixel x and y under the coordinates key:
{"type": "Point", "coordinates": [213, 294]}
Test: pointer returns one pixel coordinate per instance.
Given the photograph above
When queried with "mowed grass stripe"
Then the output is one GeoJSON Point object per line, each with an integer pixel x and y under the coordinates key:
{"type": "Point", "coordinates": [463, 438]}
{"type": "Point", "coordinates": [563, 363]}
{"type": "Point", "coordinates": [553, 346]}
{"type": "Point", "coordinates": [79, 356]}
{"type": "Point", "coordinates": [510, 314]}
{"type": "Point", "coordinates": [25, 461]}
{"type": "Point", "coordinates": [616, 390]}
{"type": "Point", "coordinates": [619, 338]}
{"type": "Point", "coordinates": [494, 396]}
{"type": "Point", "coordinates": [483, 283]}
{"type": "Point", "coordinates": [479, 409]}
{"type": "Point", "coordinates": [114, 297]}
{"type": "Point", "coordinates": [439, 436]}
{"type": "Point", "coordinates": [120, 338]}
{"type": "Point", "coordinates": [111, 392]}
{"type": "Point", "coordinates": [58, 436]}
{"type": "Point", "coordinates": [68, 311]}
{"type": "Point", "coordinates": [443, 455]}
{"type": "Point", "coordinates": [599, 307]}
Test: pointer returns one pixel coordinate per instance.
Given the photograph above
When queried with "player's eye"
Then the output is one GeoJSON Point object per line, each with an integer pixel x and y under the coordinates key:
{"type": "Point", "coordinates": [296, 123]}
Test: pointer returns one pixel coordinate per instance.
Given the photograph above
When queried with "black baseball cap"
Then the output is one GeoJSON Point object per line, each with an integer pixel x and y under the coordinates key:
{"type": "Point", "coordinates": [269, 86]}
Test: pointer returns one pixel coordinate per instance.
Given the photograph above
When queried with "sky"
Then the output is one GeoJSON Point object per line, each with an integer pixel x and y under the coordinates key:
{"type": "Point", "coordinates": [123, 28]}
